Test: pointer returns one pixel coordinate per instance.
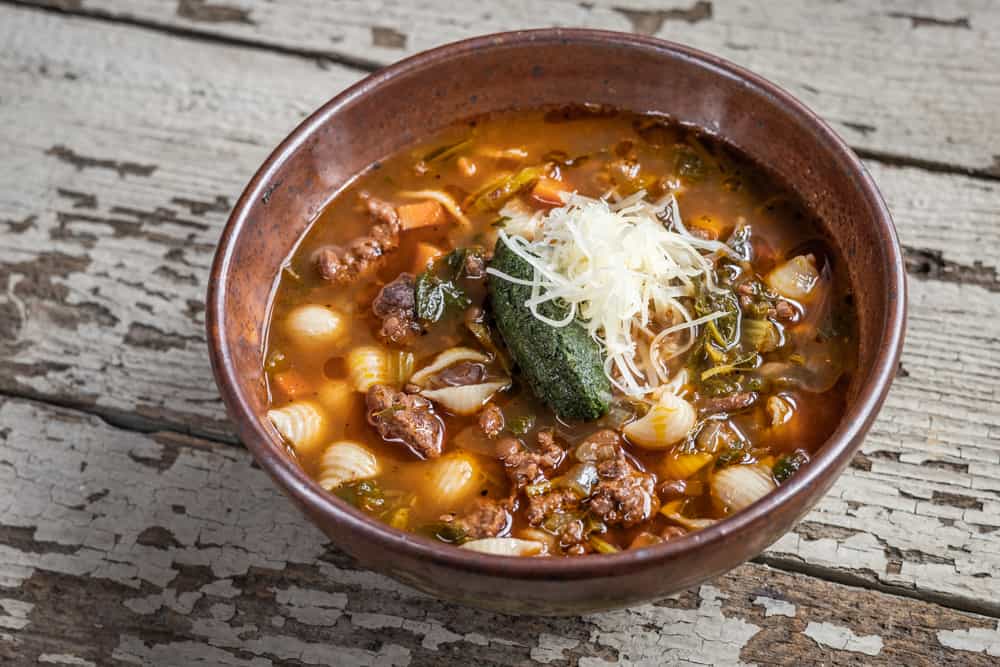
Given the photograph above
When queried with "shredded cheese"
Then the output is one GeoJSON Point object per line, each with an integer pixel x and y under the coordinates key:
{"type": "Point", "coordinates": [622, 268]}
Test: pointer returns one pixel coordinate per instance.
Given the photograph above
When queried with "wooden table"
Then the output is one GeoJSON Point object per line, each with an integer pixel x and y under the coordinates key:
{"type": "Point", "coordinates": [135, 530]}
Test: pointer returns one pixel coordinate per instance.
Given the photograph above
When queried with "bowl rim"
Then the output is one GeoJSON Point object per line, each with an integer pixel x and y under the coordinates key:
{"type": "Point", "coordinates": [826, 465]}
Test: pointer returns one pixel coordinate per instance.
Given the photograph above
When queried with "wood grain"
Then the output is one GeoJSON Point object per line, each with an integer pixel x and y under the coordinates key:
{"type": "Point", "coordinates": [120, 548]}
{"type": "Point", "coordinates": [125, 148]}
{"type": "Point", "coordinates": [918, 81]}
{"type": "Point", "coordinates": [109, 213]}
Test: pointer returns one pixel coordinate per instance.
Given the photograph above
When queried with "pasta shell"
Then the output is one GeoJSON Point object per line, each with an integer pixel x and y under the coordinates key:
{"type": "Point", "coordinates": [451, 479]}
{"type": "Point", "coordinates": [344, 462]}
{"type": "Point", "coordinates": [737, 487]}
{"type": "Point", "coordinates": [667, 423]}
{"type": "Point", "coordinates": [302, 424]}
{"type": "Point", "coordinates": [795, 279]}
{"type": "Point", "coordinates": [550, 542]}
{"type": "Point", "coordinates": [370, 365]}
{"type": "Point", "coordinates": [465, 400]}
{"type": "Point", "coordinates": [682, 466]}
{"type": "Point", "coordinates": [449, 357]}
{"type": "Point", "coordinates": [505, 546]}
{"type": "Point", "coordinates": [313, 325]}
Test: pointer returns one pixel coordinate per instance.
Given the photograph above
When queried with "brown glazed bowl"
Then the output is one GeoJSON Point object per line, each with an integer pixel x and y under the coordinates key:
{"type": "Point", "coordinates": [413, 98]}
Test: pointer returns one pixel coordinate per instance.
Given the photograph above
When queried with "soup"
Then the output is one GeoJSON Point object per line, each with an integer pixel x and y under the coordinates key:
{"type": "Point", "coordinates": [558, 332]}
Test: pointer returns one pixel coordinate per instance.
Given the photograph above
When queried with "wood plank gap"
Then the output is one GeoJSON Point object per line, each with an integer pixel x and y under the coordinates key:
{"type": "Point", "coordinates": [844, 578]}
{"type": "Point", "coordinates": [321, 57]}
{"type": "Point", "coordinates": [138, 424]}
{"type": "Point", "coordinates": [932, 166]}
{"type": "Point", "coordinates": [120, 419]}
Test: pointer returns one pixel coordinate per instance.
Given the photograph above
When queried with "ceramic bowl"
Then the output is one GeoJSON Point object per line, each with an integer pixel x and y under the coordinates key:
{"type": "Point", "coordinates": [406, 102]}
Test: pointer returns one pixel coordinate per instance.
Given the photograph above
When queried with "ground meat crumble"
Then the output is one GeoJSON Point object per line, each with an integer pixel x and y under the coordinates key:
{"type": "Point", "coordinates": [405, 418]}
{"type": "Point", "coordinates": [525, 466]}
{"type": "Point", "coordinates": [484, 517]}
{"type": "Point", "coordinates": [342, 264]}
{"type": "Point", "coordinates": [395, 305]}
{"type": "Point", "coordinates": [491, 421]}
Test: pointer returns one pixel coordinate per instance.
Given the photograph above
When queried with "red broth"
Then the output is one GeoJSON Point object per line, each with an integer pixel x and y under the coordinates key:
{"type": "Point", "coordinates": [764, 416]}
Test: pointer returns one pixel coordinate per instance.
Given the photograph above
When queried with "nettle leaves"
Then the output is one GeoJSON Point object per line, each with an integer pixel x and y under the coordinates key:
{"type": "Point", "coordinates": [438, 291]}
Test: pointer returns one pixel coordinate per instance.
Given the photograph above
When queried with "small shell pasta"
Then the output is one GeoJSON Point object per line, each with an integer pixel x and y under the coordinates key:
{"type": "Point", "coordinates": [344, 462]}
{"type": "Point", "coordinates": [449, 357]}
{"type": "Point", "coordinates": [505, 546]}
{"type": "Point", "coordinates": [737, 487]}
{"type": "Point", "coordinates": [667, 423]}
{"type": "Point", "coordinates": [370, 365]}
{"type": "Point", "coordinates": [312, 325]}
{"type": "Point", "coordinates": [464, 400]}
{"type": "Point", "coordinates": [451, 479]}
{"type": "Point", "coordinates": [302, 424]}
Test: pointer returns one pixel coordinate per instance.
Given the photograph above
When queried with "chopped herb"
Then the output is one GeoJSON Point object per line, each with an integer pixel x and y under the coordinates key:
{"type": "Point", "coordinates": [500, 222]}
{"type": "Point", "coordinates": [521, 425]}
{"type": "Point", "coordinates": [746, 363]}
{"type": "Point", "coordinates": [445, 531]}
{"type": "Point", "coordinates": [435, 296]}
{"type": "Point", "coordinates": [732, 456]}
{"type": "Point", "coordinates": [496, 193]}
{"type": "Point", "coordinates": [446, 151]}
{"type": "Point", "coordinates": [455, 260]}
{"type": "Point", "coordinates": [592, 524]}
{"type": "Point", "coordinates": [365, 495]}
{"type": "Point", "coordinates": [724, 330]}
{"type": "Point", "coordinates": [602, 546]}
{"type": "Point", "coordinates": [789, 464]}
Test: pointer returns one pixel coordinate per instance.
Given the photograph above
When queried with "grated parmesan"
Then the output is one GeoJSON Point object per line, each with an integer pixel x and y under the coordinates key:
{"type": "Point", "coordinates": [622, 268]}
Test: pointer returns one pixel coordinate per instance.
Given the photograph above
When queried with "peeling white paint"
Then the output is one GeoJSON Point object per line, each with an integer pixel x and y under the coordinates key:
{"type": "Point", "coordinates": [975, 640]}
{"type": "Point", "coordinates": [64, 659]}
{"type": "Point", "coordinates": [843, 639]}
{"type": "Point", "coordinates": [15, 614]}
{"type": "Point", "coordinates": [309, 606]}
{"type": "Point", "coordinates": [552, 648]}
{"type": "Point", "coordinates": [773, 607]}
{"type": "Point", "coordinates": [657, 635]}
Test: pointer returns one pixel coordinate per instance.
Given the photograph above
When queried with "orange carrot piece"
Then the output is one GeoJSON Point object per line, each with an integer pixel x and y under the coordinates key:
{"type": "Point", "coordinates": [291, 384]}
{"type": "Point", "coordinates": [421, 214]}
{"type": "Point", "coordinates": [425, 254]}
{"type": "Point", "coordinates": [546, 191]}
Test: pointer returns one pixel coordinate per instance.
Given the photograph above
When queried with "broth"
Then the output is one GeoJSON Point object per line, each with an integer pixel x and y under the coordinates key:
{"type": "Point", "coordinates": [765, 382]}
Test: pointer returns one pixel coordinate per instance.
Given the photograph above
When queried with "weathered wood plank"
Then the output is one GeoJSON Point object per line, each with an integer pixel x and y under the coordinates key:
{"type": "Point", "coordinates": [891, 77]}
{"type": "Point", "coordinates": [120, 171]}
{"type": "Point", "coordinates": [123, 548]}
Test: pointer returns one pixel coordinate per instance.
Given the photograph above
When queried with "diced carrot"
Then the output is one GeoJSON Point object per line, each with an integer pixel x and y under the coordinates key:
{"type": "Point", "coordinates": [421, 214]}
{"type": "Point", "coordinates": [424, 255]}
{"type": "Point", "coordinates": [291, 384]}
{"type": "Point", "coordinates": [546, 191]}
